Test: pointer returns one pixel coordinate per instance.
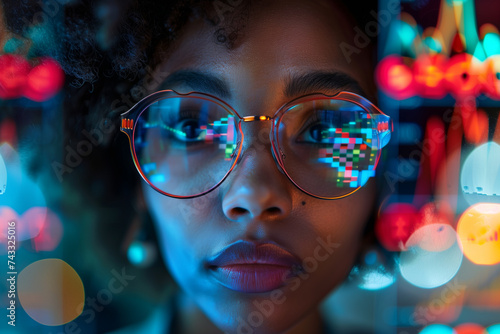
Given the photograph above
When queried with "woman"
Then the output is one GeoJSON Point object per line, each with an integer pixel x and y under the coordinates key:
{"type": "Point", "coordinates": [256, 238]}
{"type": "Point", "coordinates": [255, 253]}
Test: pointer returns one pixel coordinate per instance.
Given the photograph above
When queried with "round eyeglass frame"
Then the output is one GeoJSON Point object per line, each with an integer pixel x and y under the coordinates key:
{"type": "Point", "coordinates": [129, 123]}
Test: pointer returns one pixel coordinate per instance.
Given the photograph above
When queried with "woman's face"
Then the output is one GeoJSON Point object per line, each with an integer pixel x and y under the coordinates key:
{"type": "Point", "coordinates": [257, 204]}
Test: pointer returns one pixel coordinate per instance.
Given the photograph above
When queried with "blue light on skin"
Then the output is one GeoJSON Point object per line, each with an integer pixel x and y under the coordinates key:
{"type": "Point", "coordinates": [438, 329]}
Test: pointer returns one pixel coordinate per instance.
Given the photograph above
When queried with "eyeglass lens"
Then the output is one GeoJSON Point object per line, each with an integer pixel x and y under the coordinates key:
{"type": "Point", "coordinates": [185, 146]}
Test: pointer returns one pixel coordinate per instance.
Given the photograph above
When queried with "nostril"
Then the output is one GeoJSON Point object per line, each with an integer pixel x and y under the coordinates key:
{"type": "Point", "coordinates": [238, 211]}
{"type": "Point", "coordinates": [274, 210]}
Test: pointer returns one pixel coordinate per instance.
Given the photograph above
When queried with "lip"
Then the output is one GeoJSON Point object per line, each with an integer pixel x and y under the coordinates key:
{"type": "Point", "coordinates": [248, 267]}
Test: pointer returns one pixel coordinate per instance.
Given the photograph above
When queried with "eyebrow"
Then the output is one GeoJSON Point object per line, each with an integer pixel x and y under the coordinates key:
{"type": "Point", "coordinates": [198, 81]}
{"type": "Point", "coordinates": [295, 85]}
{"type": "Point", "coordinates": [320, 81]}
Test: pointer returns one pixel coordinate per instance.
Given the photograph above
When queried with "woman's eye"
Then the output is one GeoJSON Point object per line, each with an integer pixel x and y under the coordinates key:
{"type": "Point", "coordinates": [318, 133]}
{"type": "Point", "coordinates": [189, 130]}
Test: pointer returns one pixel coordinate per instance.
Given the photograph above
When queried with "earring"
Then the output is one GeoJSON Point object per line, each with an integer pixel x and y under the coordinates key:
{"type": "Point", "coordinates": [142, 251]}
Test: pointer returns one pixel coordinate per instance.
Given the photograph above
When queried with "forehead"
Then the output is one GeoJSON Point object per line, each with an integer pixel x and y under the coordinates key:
{"type": "Point", "coordinates": [279, 39]}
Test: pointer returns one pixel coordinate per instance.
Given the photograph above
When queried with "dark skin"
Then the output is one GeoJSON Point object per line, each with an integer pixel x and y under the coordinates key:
{"type": "Point", "coordinates": [282, 40]}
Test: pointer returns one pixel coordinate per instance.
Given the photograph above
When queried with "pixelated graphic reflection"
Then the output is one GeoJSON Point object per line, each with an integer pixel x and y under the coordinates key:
{"type": "Point", "coordinates": [331, 147]}
{"type": "Point", "coordinates": [479, 229]}
{"type": "Point", "coordinates": [180, 142]}
{"type": "Point", "coordinates": [349, 151]}
{"type": "Point", "coordinates": [51, 292]}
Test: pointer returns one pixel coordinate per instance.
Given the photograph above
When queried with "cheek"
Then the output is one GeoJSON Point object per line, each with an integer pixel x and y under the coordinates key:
{"type": "Point", "coordinates": [341, 228]}
{"type": "Point", "coordinates": [184, 228]}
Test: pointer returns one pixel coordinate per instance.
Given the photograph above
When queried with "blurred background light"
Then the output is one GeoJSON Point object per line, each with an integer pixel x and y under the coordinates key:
{"type": "Point", "coordinates": [395, 225]}
{"type": "Point", "coordinates": [375, 273]}
{"type": "Point", "coordinates": [44, 227]}
{"type": "Point", "coordinates": [480, 174]}
{"type": "Point", "coordinates": [469, 328]}
{"type": "Point", "coordinates": [433, 237]}
{"type": "Point", "coordinates": [3, 176]}
{"type": "Point", "coordinates": [22, 193]}
{"type": "Point", "coordinates": [426, 268]}
{"type": "Point", "coordinates": [408, 133]}
{"type": "Point", "coordinates": [437, 329]}
{"type": "Point", "coordinates": [51, 292]}
{"type": "Point", "coordinates": [44, 80]}
{"type": "Point", "coordinates": [491, 44]}
{"type": "Point", "coordinates": [8, 132]}
{"type": "Point", "coordinates": [429, 72]}
{"type": "Point", "coordinates": [492, 76]}
{"type": "Point", "coordinates": [395, 77]}
{"type": "Point", "coordinates": [463, 74]}
{"type": "Point", "coordinates": [141, 253]}
{"type": "Point", "coordinates": [38, 83]}
{"type": "Point", "coordinates": [478, 230]}
{"type": "Point", "coordinates": [13, 73]}
{"type": "Point", "coordinates": [493, 329]}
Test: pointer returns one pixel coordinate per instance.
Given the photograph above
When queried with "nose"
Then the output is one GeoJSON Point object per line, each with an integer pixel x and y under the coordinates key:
{"type": "Point", "coordinates": [256, 188]}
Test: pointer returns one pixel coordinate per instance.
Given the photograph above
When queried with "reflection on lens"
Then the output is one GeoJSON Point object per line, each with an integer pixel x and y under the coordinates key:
{"type": "Point", "coordinates": [330, 147]}
{"type": "Point", "coordinates": [185, 145]}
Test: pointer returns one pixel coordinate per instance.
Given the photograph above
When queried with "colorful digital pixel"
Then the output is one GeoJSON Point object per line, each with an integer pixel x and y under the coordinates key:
{"type": "Point", "coordinates": [222, 131]}
{"type": "Point", "coordinates": [353, 153]}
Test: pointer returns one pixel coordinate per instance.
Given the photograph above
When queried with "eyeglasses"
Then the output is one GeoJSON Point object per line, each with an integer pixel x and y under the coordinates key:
{"type": "Point", "coordinates": [185, 145]}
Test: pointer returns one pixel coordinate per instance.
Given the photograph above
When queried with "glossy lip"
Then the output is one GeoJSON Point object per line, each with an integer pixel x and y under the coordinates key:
{"type": "Point", "coordinates": [248, 267]}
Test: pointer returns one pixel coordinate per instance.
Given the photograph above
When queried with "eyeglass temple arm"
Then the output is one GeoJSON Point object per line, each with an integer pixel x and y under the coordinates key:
{"type": "Point", "coordinates": [128, 117]}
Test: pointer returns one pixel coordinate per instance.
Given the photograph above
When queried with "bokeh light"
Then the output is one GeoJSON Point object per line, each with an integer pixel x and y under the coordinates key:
{"type": "Point", "coordinates": [51, 292]}
{"type": "Point", "coordinates": [141, 254]}
{"type": "Point", "coordinates": [44, 80]}
{"type": "Point", "coordinates": [429, 71]}
{"type": "Point", "coordinates": [433, 237]}
{"type": "Point", "coordinates": [13, 73]}
{"type": "Point", "coordinates": [431, 268]}
{"type": "Point", "coordinates": [22, 192]}
{"type": "Point", "coordinates": [463, 75]}
{"type": "Point", "coordinates": [8, 132]}
{"type": "Point", "coordinates": [480, 173]}
{"type": "Point", "coordinates": [374, 273]}
{"type": "Point", "coordinates": [469, 328]}
{"type": "Point", "coordinates": [7, 215]}
{"type": "Point", "coordinates": [395, 78]}
{"type": "Point", "coordinates": [395, 225]}
{"type": "Point", "coordinates": [493, 329]}
{"type": "Point", "coordinates": [3, 176]}
{"type": "Point", "coordinates": [492, 76]}
{"type": "Point", "coordinates": [44, 227]}
{"type": "Point", "coordinates": [437, 329]}
{"type": "Point", "coordinates": [491, 44]}
{"type": "Point", "coordinates": [478, 230]}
